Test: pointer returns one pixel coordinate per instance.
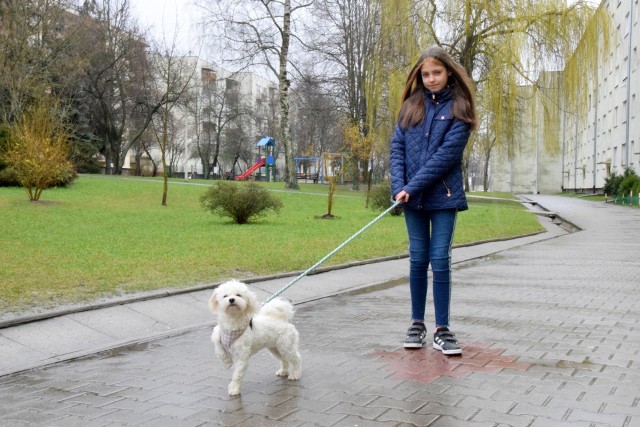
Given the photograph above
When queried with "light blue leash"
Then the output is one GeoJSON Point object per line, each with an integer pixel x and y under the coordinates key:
{"type": "Point", "coordinates": [314, 266]}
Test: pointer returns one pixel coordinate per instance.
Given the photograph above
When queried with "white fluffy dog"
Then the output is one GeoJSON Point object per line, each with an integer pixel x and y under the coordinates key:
{"type": "Point", "coordinates": [244, 328]}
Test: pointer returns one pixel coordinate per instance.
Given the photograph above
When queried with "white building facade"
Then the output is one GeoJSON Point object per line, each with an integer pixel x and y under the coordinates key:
{"type": "Point", "coordinates": [238, 105]}
{"type": "Point", "coordinates": [594, 140]}
{"type": "Point", "coordinates": [604, 139]}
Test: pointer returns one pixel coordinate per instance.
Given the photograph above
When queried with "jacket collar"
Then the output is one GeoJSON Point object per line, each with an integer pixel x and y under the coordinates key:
{"type": "Point", "coordinates": [438, 97]}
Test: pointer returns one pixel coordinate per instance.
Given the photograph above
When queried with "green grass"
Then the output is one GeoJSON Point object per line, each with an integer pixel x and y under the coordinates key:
{"type": "Point", "coordinates": [591, 197]}
{"type": "Point", "coordinates": [106, 236]}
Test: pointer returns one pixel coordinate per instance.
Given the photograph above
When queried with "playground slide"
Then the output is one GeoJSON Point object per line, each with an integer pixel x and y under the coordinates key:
{"type": "Point", "coordinates": [251, 170]}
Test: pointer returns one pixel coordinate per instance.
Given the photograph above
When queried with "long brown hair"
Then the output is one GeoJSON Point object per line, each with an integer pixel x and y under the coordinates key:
{"type": "Point", "coordinates": [462, 89]}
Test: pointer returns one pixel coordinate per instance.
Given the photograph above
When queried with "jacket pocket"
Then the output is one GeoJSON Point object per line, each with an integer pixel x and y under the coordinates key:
{"type": "Point", "coordinates": [443, 117]}
{"type": "Point", "coordinates": [441, 125]}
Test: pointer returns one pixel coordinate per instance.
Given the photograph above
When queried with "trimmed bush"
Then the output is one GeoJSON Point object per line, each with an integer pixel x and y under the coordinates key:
{"type": "Point", "coordinates": [242, 203]}
{"type": "Point", "coordinates": [380, 198]}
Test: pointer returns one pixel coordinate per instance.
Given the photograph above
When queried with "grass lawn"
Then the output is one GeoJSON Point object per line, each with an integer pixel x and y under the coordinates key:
{"type": "Point", "coordinates": [107, 236]}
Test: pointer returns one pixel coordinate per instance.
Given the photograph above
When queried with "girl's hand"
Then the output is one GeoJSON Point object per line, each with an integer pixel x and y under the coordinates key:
{"type": "Point", "coordinates": [402, 197]}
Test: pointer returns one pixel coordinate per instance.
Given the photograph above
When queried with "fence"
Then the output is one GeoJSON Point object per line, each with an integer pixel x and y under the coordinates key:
{"type": "Point", "coordinates": [626, 200]}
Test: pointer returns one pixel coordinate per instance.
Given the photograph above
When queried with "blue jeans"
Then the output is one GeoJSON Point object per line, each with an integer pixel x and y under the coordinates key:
{"type": "Point", "coordinates": [430, 240]}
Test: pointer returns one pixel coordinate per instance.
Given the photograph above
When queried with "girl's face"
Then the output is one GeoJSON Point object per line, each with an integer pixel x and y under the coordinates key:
{"type": "Point", "coordinates": [434, 75]}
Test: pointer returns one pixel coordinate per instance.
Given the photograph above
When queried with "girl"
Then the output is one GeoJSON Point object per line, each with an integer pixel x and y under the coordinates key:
{"type": "Point", "coordinates": [435, 121]}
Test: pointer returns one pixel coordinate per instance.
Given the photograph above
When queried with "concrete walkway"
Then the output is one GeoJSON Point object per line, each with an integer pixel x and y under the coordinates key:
{"type": "Point", "coordinates": [549, 325]}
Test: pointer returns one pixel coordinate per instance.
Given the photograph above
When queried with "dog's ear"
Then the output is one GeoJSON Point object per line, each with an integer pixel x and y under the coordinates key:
{"type": "Point", "coordinates": [252, 303]}
{"type": "Point", "coordinates": [213, 301]}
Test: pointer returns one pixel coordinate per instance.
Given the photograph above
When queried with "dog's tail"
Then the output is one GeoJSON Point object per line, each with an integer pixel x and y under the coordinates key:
{"type": "Point", "coordinates": [278, 308]}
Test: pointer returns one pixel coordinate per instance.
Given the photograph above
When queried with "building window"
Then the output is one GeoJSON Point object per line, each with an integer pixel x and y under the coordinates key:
{"type": "Point", "coordinates": [233, 93]}
{"type": "Point", "coordinates": [207, 75]}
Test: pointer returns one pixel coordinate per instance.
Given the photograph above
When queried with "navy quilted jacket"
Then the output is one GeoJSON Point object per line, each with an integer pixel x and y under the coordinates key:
{"type": "Point", "coordinates": [426, 159]}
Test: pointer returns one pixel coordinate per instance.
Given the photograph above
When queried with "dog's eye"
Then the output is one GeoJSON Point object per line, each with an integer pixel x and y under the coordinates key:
{"type": "Point", "coordinates": [225, 296]}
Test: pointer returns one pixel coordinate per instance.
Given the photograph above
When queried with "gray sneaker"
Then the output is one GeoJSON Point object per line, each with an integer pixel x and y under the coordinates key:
{"type": "Point", "coordinates": [445, 341]}
{"type": "Point", "coordinates": [416, 336]}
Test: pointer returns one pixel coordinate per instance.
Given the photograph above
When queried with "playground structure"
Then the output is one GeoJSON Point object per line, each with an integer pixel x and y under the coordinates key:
{"type": "Point", "coordinates": [316, 169]}
{"type": "Point", "coordinates": [268, 161]}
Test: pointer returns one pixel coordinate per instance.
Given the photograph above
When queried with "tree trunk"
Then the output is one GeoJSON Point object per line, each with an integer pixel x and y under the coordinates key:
{"type": "Point", "coordinates": [485, 178]}
{"type": "Point", "coordinates": [290, 177]}
{"type": "Point", "coordinates": [163, 145]}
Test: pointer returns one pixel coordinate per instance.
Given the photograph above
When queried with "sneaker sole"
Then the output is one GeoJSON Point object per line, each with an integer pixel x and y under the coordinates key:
{"type": "Point", "coordinates": [447, 352]}
{"type": "Point", "coordinates": [412, 345]}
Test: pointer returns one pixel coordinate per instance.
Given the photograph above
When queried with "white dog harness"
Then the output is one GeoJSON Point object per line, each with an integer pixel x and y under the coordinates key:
{"type": "Point", "coordinates": [227, 338]}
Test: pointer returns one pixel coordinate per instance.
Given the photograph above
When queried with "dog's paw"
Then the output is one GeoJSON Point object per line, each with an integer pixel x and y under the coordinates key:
{"type": "Point", "coordinates": [294, 376]}
{"type": "Point", "coordinates": [234, 388]}
{"type": "Point", "coordinates": [226, 360]}
{"type": "Point", "coordinates": [227, 363]}
{"type": "Point", "coordinates": [282, 372]}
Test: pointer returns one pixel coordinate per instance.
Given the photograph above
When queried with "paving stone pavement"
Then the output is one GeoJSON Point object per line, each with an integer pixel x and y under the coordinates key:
{"type": "Point", "coordinates": [550, 332]}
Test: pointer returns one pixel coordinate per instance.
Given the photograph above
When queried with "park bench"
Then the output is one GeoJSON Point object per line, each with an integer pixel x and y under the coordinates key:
{"type": "Point", "coordinates": [308, 176]}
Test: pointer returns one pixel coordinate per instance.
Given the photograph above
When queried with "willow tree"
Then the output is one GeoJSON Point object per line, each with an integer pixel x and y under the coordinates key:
{"type": "Point", "coordinates": [511, 47]}
{"type": "Point", "coordinates": [258, 33]}
{"type": "Point", "coordinates": [397, 48]}
{"type": "Point", "coordinates": [503, 45]}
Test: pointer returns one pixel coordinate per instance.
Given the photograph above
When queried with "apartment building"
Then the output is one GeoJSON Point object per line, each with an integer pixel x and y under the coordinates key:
{"type": "Point", "coordinates": [231, 110]}
{"type": "Point", "coordinates": [595, 138]}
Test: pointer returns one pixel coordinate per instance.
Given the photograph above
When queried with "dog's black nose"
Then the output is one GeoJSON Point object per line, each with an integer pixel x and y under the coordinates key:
{"type": "Point", "coordinates": [232, 300]}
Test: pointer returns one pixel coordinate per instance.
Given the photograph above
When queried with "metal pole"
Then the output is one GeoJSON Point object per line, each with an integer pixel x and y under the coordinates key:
{"type": "Point", "coordinates": [629, 59]}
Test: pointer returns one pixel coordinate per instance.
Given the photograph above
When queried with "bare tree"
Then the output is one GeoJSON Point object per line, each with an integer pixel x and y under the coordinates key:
{"type": "Point", "coordinates": [39, 52]}
{"type": "Point", "coordinates": [345, 33]}
{"type": "Point", "coordinates": [317, 118]}
{"type": "Point", "coordinates": [239, 143]}
{"type": "Point", "coordinates": [259, 33]}
{"type": "Point", "coordinates": [216, 105]}
{"type": "Point", "coordinates": [120, 83]}
{"type": "Point", "coordinates": [172, 75]}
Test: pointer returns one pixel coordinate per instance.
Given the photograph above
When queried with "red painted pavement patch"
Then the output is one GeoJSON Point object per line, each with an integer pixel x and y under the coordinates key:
{"type": "Point", "coordinates": [427, 364]}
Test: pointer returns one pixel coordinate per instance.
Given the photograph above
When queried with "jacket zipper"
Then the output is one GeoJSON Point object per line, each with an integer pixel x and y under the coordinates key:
{"type": "Point", "coordinates": [448, 189]}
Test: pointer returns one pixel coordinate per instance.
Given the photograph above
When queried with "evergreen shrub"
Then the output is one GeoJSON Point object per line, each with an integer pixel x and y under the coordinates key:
{"type": "Point", "coordinates": [617, 185]}
{"type": "Point", "coordinates": [380, 198]}
{"type": "Point", "coordinates": [241, 203]}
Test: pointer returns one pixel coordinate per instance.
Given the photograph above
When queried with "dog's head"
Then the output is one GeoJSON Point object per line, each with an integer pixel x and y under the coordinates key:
{"type": "Point", "coordinates": [233, 299]}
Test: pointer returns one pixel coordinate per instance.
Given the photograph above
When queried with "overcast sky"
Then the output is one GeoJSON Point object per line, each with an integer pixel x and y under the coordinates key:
{"type": "Point", "coordinates": [160, 16]}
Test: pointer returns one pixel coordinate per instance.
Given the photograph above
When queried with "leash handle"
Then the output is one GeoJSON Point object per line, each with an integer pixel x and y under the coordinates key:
{"type": "Point", "coordinates": [314, 266]}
